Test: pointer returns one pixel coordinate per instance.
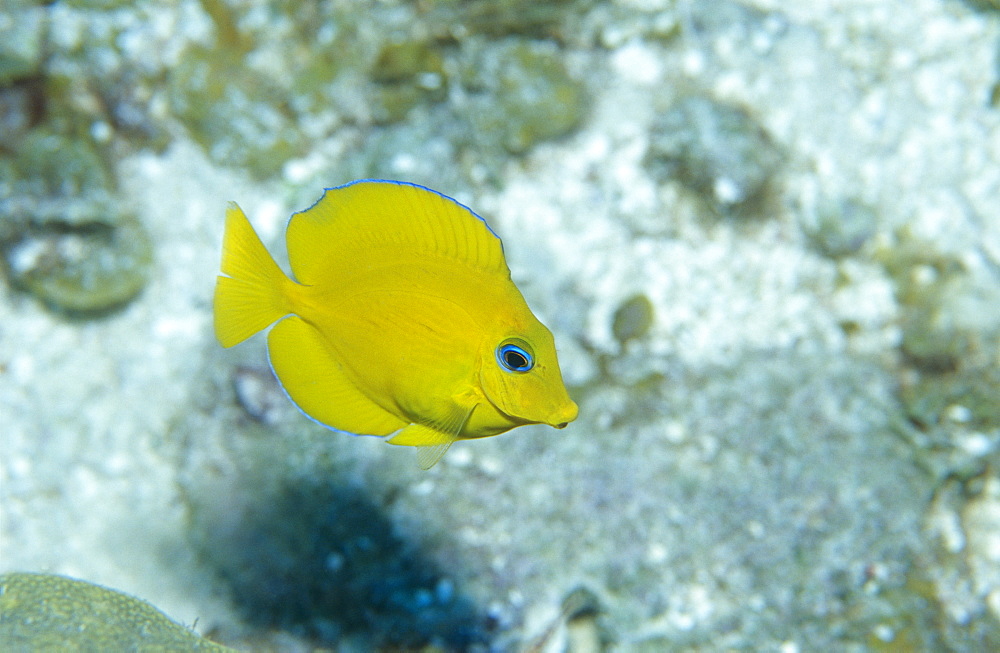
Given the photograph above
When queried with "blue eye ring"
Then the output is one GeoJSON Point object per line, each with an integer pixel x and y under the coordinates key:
{"type": "Point", "coordinates": [515, 356]}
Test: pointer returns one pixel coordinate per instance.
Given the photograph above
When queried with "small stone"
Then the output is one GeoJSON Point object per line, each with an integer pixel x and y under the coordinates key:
{"type": "Point", "coordinates": [841, 227]}
{"type": "Point", "coordinates": [633, 318]}
{"type": "Point", "coordinates": [259, 394]}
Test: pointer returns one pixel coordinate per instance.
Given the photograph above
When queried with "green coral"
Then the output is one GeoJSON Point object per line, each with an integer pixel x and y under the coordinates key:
{"type": "Point", "coordinates": [21, 48]}
{"type": "Point", "coordinates": [950, 334]}
{"type": "Point", "coordinates": [43, 612]}
{"type": "Point", "coordinates": [64, 234]}
{"type": "Point", "coordinates": [399, 61]}
{"type": "Point", "coordinates": [264, 90]}
{"type": "Point", "coordinates": [948, 317]}
{"type": "Point", "coordinates": [407, 73]}
{"type": "Point", "coordinates": [238, 115]}
{"type": "Point", "coordinates": [260, 93]}
{"type": "Point", "coordinates": [527, 95]}
{"type": "Point", "coordinates": [717, 150]}
{"type": "Point", "coordinates": [984, 5]}
{"type": "Point", "coordinates": [523, 17]}
{"type": "Point", "coordinates": [88, 89]}
{"type": "Point", "coordinates": [83, 268]}
{"type": "Point", "coordinates": [971, 397]}
{"type": "Point", "coordinates": [53, 164]}
{"type": "Point", "coordinates": [65, 237]}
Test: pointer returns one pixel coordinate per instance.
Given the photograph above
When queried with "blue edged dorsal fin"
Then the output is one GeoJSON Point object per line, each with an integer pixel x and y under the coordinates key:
{"type": "Point", "coordinates": [368, 221]}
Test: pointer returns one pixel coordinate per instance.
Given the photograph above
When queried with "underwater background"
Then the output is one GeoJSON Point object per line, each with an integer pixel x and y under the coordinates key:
{"type": "Point", "coordinates": [766, 236]}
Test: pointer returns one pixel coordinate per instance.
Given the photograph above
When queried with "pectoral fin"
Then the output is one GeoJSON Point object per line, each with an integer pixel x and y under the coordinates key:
{"type": "Point", "coordinates": [433, 441]}
{"type": "Point", "coordinates": [431, 444]}
{"type": "Point", "coordinates": [427, 457]}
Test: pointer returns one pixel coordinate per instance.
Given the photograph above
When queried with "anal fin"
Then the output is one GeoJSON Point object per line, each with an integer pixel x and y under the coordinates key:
{"type": "Point", "coordinates": [317, 383]}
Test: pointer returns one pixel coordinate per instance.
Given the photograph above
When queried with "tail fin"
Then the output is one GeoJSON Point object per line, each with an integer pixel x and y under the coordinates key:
{"type": "Point", "coordinates": [254, 292]}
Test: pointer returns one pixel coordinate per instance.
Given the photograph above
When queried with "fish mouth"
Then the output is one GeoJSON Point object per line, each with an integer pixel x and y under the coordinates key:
{"type": "Point", "coordinates": [564, 416]}
{"type": "Point", "coordinates": [559, 418]}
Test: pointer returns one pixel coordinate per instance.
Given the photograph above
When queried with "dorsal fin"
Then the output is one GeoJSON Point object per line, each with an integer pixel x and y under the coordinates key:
{"type": "Point", "coordinates": [351, 224]}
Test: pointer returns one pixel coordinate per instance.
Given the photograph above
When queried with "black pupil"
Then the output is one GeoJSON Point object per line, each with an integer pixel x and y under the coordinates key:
{"type": "Point", "coordinates": [514, 359]}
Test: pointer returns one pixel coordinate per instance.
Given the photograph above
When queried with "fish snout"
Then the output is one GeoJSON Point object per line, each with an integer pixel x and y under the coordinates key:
{"type": "Point", "coordinates": [562, 417]}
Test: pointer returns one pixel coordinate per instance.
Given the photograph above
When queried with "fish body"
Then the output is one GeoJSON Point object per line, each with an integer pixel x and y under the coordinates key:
{"type": "Point", "coordinates": [401, 319]}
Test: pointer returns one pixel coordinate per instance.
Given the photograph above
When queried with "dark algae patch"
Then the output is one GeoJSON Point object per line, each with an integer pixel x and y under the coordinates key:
{"type": "Point", "coordinates": [319, 560]}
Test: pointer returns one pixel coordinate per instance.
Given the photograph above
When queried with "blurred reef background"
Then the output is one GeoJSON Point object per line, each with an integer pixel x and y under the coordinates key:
{"type": "Point", "coordinates": [766, 235]}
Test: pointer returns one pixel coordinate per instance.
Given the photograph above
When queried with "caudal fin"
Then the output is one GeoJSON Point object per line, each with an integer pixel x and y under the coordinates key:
{"type": "Point", "coordinates": [253, 294]}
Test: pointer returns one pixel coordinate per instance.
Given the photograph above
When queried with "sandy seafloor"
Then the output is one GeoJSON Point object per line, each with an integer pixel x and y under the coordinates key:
{"type": "Point", "coordinates": [741, 477]}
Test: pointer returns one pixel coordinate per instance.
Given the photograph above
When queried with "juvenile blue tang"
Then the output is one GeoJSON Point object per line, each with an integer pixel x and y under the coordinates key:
{"type": "Point", "coordinates": [401, 319]}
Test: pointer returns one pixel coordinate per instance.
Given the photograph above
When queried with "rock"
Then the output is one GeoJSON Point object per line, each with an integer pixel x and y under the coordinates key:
{"type": "Point", "coordinates": [44, 612]}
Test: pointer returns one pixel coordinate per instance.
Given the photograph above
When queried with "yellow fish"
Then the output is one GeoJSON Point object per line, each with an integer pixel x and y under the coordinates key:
{"type": "Point", "coordinates": [401, 318]}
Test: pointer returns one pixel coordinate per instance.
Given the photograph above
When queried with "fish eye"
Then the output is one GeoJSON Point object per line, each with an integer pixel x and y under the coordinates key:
{"type": "Point", "coordinates": [515, 357]}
